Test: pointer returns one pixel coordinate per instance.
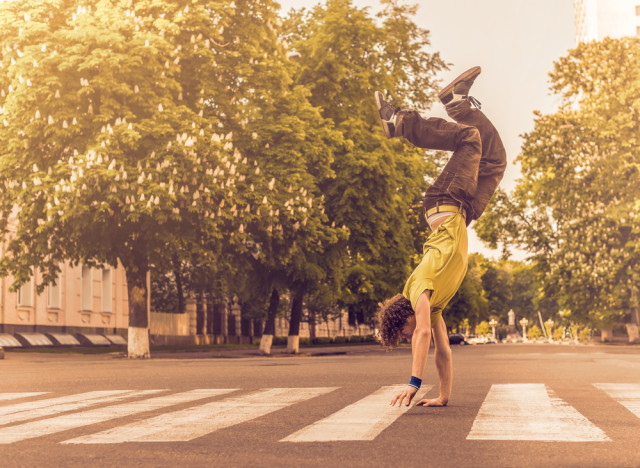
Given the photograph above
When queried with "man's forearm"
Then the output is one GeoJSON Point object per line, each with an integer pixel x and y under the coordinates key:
{"type": "Point", "coordinates": [420, 343]}
{"type": "Point", "coordinates": [444, 364]}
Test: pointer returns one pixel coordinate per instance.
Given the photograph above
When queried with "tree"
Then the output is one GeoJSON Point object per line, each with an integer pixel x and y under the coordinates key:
{"type": "Point", "coordinates": [345, 55]}
{"type": "Point", "coordinates": [290, 242]}
{"type": "Point", "coordinates": [496, 282]}
{"type": "Point", "coordinates": [469, 303]}
{"type": "Point", "coordinates": [524, 290]}
{"type": "Point", "coordinates": [110, 153]}
{"type": "Point", "coordinates": [571, 211]}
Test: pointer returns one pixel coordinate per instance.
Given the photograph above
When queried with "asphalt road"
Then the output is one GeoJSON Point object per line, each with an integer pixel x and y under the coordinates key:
{"type": "Point", "coordinates": [512, 405]}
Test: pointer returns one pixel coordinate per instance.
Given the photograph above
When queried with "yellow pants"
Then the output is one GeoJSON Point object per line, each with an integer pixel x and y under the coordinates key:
{"type": "Point", "coordinates": [443, 266]}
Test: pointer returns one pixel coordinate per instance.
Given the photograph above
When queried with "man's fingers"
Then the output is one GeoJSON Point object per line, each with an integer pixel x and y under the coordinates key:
{"type": "Point", "coordinates": [433, 402]}
{"type": "Point", "coordinates": [395, 398]}
{"type": "Point", "coordinates": [409, 398]}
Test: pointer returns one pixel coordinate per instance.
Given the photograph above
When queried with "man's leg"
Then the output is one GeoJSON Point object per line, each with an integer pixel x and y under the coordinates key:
{"type": "Point", "coordinates": [457, 101]}
{"type": "Point", "coordinates": [444, 364]}
{"type": "Point", "coordinates": [494, 157]}
{"type": "Point", "coordinates": [460, 175]}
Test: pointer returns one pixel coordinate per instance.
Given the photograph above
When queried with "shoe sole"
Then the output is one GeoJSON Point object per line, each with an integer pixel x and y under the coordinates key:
{"type": "Point", "coordinates": [470, 73]}
{"type": "Point", "coordinates": [385, 124]}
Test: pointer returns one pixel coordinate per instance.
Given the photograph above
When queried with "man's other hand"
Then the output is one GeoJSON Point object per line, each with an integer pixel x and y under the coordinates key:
{"type": "Point", "coordinates": [407, 393]}
{"type": "Point", "coordinates": [435, 402]}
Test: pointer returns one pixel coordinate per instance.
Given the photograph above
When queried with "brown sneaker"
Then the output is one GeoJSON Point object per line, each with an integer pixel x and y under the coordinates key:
{"type": "Point", "coordinates": [386, 112]}
{"type": "Point", "coordinates": [458, 89]}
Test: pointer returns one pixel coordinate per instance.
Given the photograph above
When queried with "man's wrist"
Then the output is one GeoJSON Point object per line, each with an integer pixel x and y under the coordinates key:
{"type": "Point", "coordinates": [415, 382]}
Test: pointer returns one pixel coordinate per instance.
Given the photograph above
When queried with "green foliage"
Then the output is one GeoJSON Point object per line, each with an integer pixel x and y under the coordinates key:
{"type": "Point", "coordinates": [576, 209]}
{"type": "Point", "coordinates": [534, 332]}
{"type": "Point", "coordinates": [496, 283]}
{"type": "Point", "coordinates": [469, 303]}
{"type": "Point", "coordinates": [558, 333]}
{"type": "Point", "coordinates": [110, 153]}
{"type": "Point", "coordinates": [585, 335]}
{"type": "Point", "coordinates": [483, 328]}
{"type": "Point", "coordinates": [345, 55]}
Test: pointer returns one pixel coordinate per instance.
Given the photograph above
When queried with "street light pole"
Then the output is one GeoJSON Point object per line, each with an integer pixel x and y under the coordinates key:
{"type": "Point", "coordinates": [550, 323]}
{"type": "Point", "coordinates": [493, 323]}
{"type": "Point", "coordinates": [524, 322]}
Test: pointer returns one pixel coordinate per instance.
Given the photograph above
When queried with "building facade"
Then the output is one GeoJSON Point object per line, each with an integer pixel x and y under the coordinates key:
{"type": "Point", "coordinates": [83, 300]}
{"type": "Point", "coordinates": [597, 19]}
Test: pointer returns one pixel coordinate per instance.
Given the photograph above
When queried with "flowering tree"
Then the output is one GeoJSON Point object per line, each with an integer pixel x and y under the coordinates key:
{"type": "Point", "coordinates": [576, 209]}
{"type": "Point", "coordinates": [345, 55]}
{"type": "Point", "coordinates": [111, 152]}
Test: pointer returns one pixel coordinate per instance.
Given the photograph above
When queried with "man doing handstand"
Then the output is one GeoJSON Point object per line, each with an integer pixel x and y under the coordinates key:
{"type": "Point", "coordinates": [459, 195]}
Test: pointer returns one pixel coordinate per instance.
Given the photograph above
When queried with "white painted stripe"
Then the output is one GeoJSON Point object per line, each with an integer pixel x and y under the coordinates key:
{"type": "Point", "coordinates": [49, 407]}
{"type": "Point", "coordinates": [198, 421]}
{"type": "Point", "coordinates": [65, 422]}
{"type": "Point", "coordinates": [363, 420]}
{"type": "Point", "coordinates": [531, 412]}
{"type": "Point", "coordinates": [15, 396]}
{"type": "Point", "coordinates": [627, 394]}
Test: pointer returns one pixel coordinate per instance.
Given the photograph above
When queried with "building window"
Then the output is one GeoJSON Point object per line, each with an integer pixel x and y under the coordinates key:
{"type": "Point", "coordinates": [637, 10]}
{"type": "Point", "coordinates": [107, 296]}
{"type": "Point", "coordinates": [637, 30]}
{"type": "Point", "coordinates": [54, 299]}
{"type": "Point", "coordinates": [25, 294]}
{"type": "Point", "coordinates": [87, 288]}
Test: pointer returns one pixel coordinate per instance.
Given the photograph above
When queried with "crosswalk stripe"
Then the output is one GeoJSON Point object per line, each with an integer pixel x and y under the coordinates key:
{"type": "Point", "coordinates": [191, 423]}
{"type": "Point", "coordinates": [362, 420]}
{"type": "Point", "coordinates": [531, 412]}
{"type": "Point", "coordinates": [71, 421]}
{"type": "Point", "coordinates": [49, 407]}
{"type": "Point", "coordinates": [627, 394]}
{"type": "Point", "coordinates": [15, 396]}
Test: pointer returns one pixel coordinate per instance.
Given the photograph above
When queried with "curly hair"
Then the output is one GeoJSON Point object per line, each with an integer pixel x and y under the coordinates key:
{"type": "Point", "coordinates": [391, 317]}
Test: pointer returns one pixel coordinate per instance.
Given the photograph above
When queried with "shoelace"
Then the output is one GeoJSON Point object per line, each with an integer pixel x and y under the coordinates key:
{"type": "Point", "coordinates": [474, 102]}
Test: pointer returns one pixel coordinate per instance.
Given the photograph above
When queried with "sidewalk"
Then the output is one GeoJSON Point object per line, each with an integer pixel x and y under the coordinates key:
{"type": "Point", "coordinates": [207, 352]}
{"type": "Point", "coordinates": [253, 352]}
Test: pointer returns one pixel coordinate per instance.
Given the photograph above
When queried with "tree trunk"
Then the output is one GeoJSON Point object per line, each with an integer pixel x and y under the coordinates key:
{"type": "Point", "coordinates": [312, 326]}
{"type": "Point", "coordinates": [209, 314]}
{"type": "Point", "coordinates": [270, 327]}
{"type": "Point", "coordinates": [293, 340]}
{"type": "Point", "coordinates": [179, 288]}
{"type": "Point", "coordinates": [138, 296]}
{"type": "Point", "coordinates": [200, 314]}
{"type": "Point", "coordinates": [606, 334]}
{"type": "Point", "coordinates": [633, 326]}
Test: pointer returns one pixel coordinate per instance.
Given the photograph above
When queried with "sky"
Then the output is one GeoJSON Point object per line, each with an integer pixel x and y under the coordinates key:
{"type": "Point", "coordinates": [515, 43]}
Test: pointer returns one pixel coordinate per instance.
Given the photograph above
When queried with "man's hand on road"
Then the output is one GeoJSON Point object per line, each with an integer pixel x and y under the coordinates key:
{"type": "Point", "coordinates": [407, 393]}
{"type": "Point", "coordinates": [435, 402]}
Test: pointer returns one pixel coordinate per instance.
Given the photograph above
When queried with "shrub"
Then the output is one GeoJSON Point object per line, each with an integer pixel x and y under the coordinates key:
{"type": "Point", "coordinates": [279, 341]}
{"type": "Point", "coordinates": [534, 332]}
{"type": "Point", "coordinates": [585, 335]}
{"type": "Point", "coordinates": [320, 340]}
{"type": "Point", "coordinates": [483, 328]}
{"type": "Point", "coordinates": [340, 339]}
{"type": "Point", "coordinates": [558, 333]}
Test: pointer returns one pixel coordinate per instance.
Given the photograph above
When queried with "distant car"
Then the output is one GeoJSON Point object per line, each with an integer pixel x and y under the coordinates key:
{"type": "Point", "coordinates": [457, 338]}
